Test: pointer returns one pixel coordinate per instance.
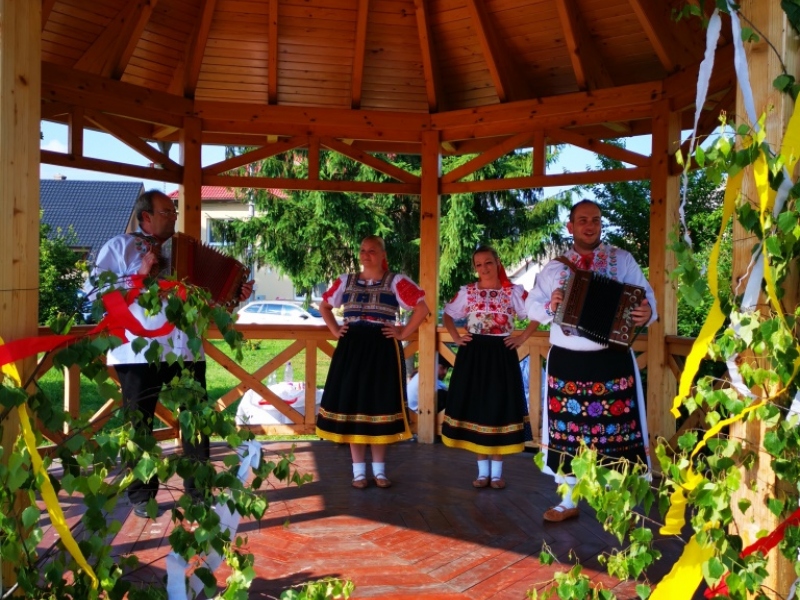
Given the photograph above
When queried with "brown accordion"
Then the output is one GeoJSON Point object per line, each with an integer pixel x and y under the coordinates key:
{"type": "Point", "coordinates": [598, 308]}
{"type": "Point", "coordinates": [206, 267]}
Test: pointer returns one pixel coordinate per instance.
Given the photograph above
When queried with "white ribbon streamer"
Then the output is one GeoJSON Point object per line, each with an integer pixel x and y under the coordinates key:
{"type": "Point", "coordinates": [250, 454]}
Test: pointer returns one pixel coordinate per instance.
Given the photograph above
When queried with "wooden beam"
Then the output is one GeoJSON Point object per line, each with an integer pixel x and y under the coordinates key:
{"type": "Point", "coordinates": [665, 198]}
{"type": "Point", "coordinates": [313, 158]}
{"type": "Point", "coordinates": [587, 63]}
{"type": "Point", "coordinates": [258, 154]}
{"type": "Point", "coordinates": [197, 48]}
{"type": "Point", "coordinates": [429, 212]}
{"type": "Point", "coordinates": [501, 64]}
{"type": "Point", "coordinates": [555, 180]}
{"type": "Point", "coordinates": [369, 160]}
{"type": "Point", "coordinates": [106, 166]}
{"type": "Point", "coordinates": [190, 194]}
{"type": "Point", "coordinates": [282, 183]}
{"type": "Point", "coordinates": [430, 69]}
{"type": "Point", "coordinates": [491, 155]}
{"type": "Point", "coordinates": [272, 53]}
{"type": "Point", "coordinates": [539, 160]}
{"type": "Point", "coordinates": [47, 8]}
{"type": "Point", "coordinates": [50, 110]}
{"type": "Point", "coordinates": [20, 120]}
{"type": "Point", "coordinates": [119, 131]}
{"type": "Point", "coordinates": [359, 48]}
{"type": "Point", "coordinates": [109, 54]}
{"type": "Point", "coordinates": [565, 136]}
{"type": "Point", "coordinates": [672, 42]}
{"type": "Point", "coordinates": [76, 122]}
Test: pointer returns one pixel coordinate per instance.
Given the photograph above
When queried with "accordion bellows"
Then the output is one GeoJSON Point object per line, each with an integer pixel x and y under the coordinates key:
{"type": "Point", "coordinates": [203, 266]}
{"type": "Point", "coordinates": [599, 308]}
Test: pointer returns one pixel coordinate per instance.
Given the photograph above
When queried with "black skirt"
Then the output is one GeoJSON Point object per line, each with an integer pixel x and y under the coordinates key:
{"type": "Point", "coordinates": [365, 393]}
{"type": "Point", "coordinates": [592, 397]}
{"type": "Point", "coordinates": [486, 411]}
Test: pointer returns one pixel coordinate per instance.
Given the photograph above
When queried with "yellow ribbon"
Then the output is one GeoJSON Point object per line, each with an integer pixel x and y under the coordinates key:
{"type": "Point", "coordinates": [715, 317]}
{"type": "Point", "coordinates": [675, 516]}
{"type": "Point", "coordinates": [46, 488]}
{"type": "Point", "coordinates": [686, 574]}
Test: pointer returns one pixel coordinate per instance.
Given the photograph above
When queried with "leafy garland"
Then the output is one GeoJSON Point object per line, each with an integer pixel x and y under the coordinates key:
{"type": "Point", "coordinates": [92, 472]}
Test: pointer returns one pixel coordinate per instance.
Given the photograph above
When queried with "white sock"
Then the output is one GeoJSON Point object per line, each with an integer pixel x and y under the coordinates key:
{"type": "Point", "coordinates": [359, 470]}
{"type": "Point", "coordinates": [378, 469]}
{"type": "Point", "coordinates": [483, 468]}
{"type": "Point", "coordinates": [567, 501]}
{"type": "Point", "coordinates": [497, 469]}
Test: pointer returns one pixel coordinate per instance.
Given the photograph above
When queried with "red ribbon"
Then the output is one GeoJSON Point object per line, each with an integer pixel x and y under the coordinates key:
{"type": "Point", "coordinates": [118, 319]}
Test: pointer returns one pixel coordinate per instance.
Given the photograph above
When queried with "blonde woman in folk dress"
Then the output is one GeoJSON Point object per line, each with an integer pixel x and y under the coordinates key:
{"type": "Point", "coordinates": [486, 410]}
{"type": "Point", "coordinates": [364, 399]}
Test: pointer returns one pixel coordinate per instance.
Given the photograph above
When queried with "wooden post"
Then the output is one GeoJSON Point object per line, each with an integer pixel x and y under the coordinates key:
{"type": "Point", "coordinates": [759, 483]}
{"type": "Point", "coordinates": [190, 191]}
{"type": "Point", "coordinates": [429, 281]}
{"type": "Point", "coordinates": [665, 199]}
{"type": "Point", "coordinates": [20, 110]}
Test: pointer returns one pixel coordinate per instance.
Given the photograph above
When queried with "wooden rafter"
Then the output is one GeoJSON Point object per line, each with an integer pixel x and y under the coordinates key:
{"type": "Point", "coordinates": [369, 160]}
{"type": "Point", "coordinates": [359, 49]}
{"type": "Point", "coordinates": [50, 110]}
{"type": "Point", "coordinates": [673, 44]}
{"type": "Point", "coordinates": [272, 53]}
{"type": "Point", "coordinates": [430, 69]}
{"type": "Point", "coordinates": [47, 8]}
{"type": "Point", "coordinates": [556, 180]}
{"type": "Point", "coordinates": [76, 123]}
{"type": "Point", "coordinates": [326, 185]}
{"type": "Point", "coordinates": [109, 54]}
{"type": "Point", "coordinates": [197, 48]}
{"type": "Point", "coordinates": [119, 131]}
{"type": "Point", "coordinates": [587, 63]}
{"type": "Point", "coordinates": [107, 166]}
{"type": "Point", "coordinates": [258, 154]}
{"type": "Point", "coordinates": [491, 155]}
{"type": "Point", "coordinates": [594, 145]}
{"type": "Point", "coordinates": [313, 158]}
{"type": "Point", "coordinates": [508, 85]}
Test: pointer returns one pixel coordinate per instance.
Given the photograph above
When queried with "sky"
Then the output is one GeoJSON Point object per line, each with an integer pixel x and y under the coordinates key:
{"type": "Point", "coordinates": [101, 145]}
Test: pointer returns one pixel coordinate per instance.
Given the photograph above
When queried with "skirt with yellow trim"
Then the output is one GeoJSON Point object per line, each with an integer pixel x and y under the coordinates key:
{"type": "Point", "coordinates": [486, 410]}
{"type": "Point", "coordinates": [365, 392]}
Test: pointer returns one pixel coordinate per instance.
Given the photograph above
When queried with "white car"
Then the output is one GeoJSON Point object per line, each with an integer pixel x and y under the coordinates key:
{"type": "Point", "coordinates": [277, 312]}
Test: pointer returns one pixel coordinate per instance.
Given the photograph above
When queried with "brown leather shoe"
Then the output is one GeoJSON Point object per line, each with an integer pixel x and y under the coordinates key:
{"type": "Point", "coordinates": [498, 484]}
{"type": "Point", "coordinates": [481, 482]}
{"type": "Point", "coordinates": [556, 514]}
{"type": "Point", "coordinates": [382, 482]}
{"type": "Point", "coordinates": [361, 483]}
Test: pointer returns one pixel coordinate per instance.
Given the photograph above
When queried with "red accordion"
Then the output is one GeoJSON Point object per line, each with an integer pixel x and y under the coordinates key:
{"type": "Point", "coordinates": [203, 266]}
{"type": "Point", "coordinates": [598, 308]}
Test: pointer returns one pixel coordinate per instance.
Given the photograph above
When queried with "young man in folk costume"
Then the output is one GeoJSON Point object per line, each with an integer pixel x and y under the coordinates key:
{"type": "Point", "coordinates": [594, 393]}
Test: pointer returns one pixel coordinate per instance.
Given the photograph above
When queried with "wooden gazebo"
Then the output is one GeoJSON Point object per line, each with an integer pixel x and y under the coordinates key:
{"type": "Point", "coordinates": [357, 77]}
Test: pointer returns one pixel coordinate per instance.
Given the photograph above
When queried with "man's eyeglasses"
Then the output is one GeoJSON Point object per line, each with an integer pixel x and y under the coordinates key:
{"type": "Point", "coordinates": [166, 213]}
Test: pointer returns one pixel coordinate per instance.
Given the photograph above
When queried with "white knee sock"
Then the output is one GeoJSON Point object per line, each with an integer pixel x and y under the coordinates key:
{"type": "Point", "coordinates": [567, 501]}
{"type": "Point", "coordinates": [497, 469]}
{"type": "Point", "coordinates": [359, 470]}
{"type": "Point", "coordinates": [378, 469]}
{"type": "Point", "coordinates": [483, 468]}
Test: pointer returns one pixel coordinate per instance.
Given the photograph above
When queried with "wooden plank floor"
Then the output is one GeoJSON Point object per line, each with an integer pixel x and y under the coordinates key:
{"type": "Point", "coordinates": [430, 536]}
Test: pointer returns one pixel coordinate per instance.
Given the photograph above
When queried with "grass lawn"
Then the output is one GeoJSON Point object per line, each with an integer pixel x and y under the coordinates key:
{"type": "Point", "coordinates": [218, 380]}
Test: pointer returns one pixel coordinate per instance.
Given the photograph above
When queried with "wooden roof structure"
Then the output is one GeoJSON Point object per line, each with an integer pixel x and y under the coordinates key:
{"type": "Point", "coordinates": [361, 78]}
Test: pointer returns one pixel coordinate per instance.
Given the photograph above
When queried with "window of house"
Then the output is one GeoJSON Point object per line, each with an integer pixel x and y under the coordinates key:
{"type": "Point", "coordinates": [215, 231]}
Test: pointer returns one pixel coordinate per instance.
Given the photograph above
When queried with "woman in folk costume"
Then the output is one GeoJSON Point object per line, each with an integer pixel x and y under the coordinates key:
{"type": "Point", "coordinates": [486, 410]}
{"type": "Point", "coordinates": [364, 399]}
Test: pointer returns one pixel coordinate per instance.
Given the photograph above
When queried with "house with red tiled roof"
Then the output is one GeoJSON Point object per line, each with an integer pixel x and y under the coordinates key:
{"type": "Point", "coordinates": [220, 204]}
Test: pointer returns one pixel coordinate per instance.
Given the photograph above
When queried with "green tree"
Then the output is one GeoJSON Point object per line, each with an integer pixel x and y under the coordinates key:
{"type": "Point", "coordinates": [313, 236]}
{"type": "Point", "coordinates": [60, 273]}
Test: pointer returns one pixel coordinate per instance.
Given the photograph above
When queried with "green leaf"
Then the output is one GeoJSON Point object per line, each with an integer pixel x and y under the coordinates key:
{"type": "Point", "coordinates": [643, 591]}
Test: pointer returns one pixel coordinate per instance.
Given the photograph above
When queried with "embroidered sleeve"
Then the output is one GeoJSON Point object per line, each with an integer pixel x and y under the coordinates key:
{"type": "Point", "coordinates": [457, 307]}
{"type": "Point", "coordinates": [518, 297]}
{"type": "Point", "coordinates": [537, 304]}
{"type": "Point", "coordinates": [334, 294]}
{"type": "Point", "coordinates": [408, 293]}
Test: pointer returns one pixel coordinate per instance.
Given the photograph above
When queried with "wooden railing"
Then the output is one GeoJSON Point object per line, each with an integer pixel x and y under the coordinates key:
{"type": "Point", "coordinates": [313, 340]}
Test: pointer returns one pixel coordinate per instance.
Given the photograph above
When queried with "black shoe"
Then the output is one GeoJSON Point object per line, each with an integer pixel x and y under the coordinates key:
{"type": "Point", "coordinates": [140, 510]}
